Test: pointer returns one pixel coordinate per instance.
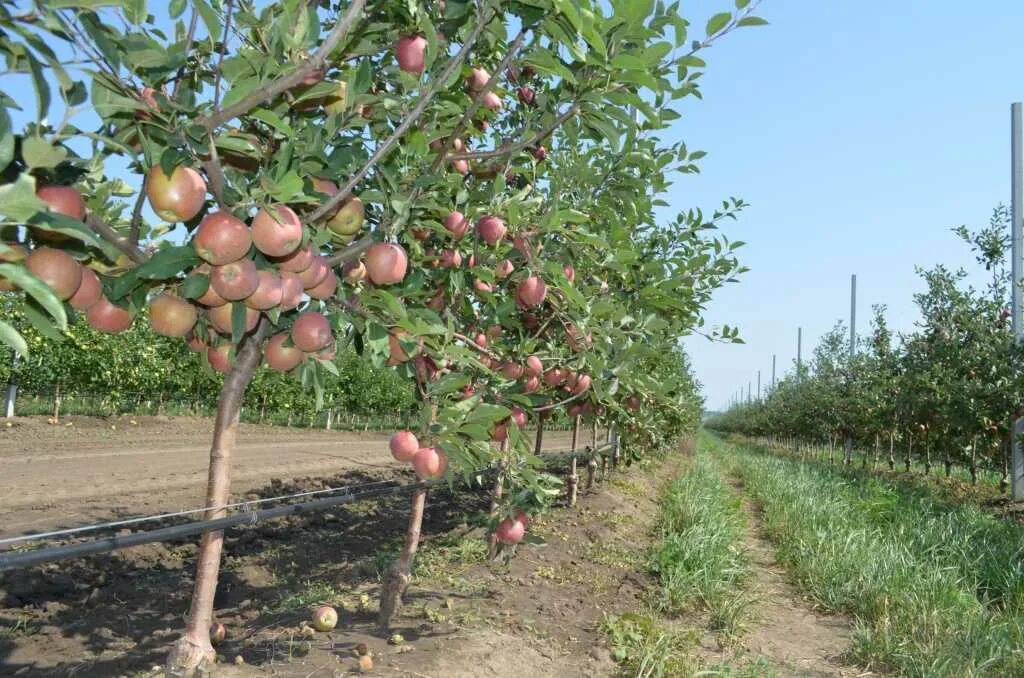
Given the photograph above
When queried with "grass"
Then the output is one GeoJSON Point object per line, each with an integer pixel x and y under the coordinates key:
{"type": "Point", "coordinates": [645, 648]}
{"type": "Point", "coordinates": [699, 560]}
{"type": "Point", "coordinates": [936, 588]}
{"type": "Point", "coordinates": [700, 566]}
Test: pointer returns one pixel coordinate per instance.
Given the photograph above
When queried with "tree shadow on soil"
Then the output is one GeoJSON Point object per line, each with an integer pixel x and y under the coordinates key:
{"type": "Point", "coordinates": [119, 612]}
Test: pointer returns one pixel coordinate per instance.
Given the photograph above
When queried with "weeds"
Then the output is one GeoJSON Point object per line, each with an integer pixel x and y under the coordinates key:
{"type": "Point", "coordinates": [700, 561]}
{"type": "Point", "coordinates": [937, 589]}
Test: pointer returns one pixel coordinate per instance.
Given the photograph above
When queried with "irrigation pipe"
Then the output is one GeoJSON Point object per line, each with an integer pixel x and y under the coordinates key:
{"type": "Point", "coordinates": [12, 561]}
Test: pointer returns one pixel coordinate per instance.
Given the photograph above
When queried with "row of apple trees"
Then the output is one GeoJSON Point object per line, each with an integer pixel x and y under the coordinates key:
{"type": "Point", "coordinates": [461, 192]}
{"type": "Point", "coordinates": [139, 370]}
{"type": "Point", "coordinates": [942, 394]}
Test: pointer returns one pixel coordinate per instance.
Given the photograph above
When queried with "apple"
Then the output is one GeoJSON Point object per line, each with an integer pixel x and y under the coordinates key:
{"type": "Point", "coordinates": [410, 51]}
{"type": "Point", "coordinates": [177, 197]}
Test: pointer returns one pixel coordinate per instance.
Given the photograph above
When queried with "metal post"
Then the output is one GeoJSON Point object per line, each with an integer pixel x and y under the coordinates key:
{"type": "Point", "coordinates": [773, 371]}
{"type": "Point", "coordinates": [799, 362]}
{"type": "Point", "coordinates": [848, 443]}
{"type": "Point", "coordinates": [759, 385]}
{"type": "Point", "coordinates": [12, 387]}
{"type": "Point", "coordinates": [748, 392]}
{"type": "Point", "coordinates": [1016, 227]}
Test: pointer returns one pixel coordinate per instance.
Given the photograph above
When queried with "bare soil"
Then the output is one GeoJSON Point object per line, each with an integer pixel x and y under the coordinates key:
{"type": "Point", "coordinates": [85, 469]}
{"type": "Point", "coordinates": [795, 638]}
{"type": "Point", "coordinates": [535, 612]}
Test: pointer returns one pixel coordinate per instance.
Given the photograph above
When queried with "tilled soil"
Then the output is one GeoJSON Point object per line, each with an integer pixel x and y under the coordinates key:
{"type": "Point", "coordinates": [86, 469]}
{"type": "Point", "coordinates": [535, 614]}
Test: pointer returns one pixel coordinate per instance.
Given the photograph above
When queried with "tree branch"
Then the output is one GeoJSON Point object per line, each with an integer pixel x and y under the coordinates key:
{"type": "Point", "coordinates": [545, 408]}
{"type": "Point", "coordinates": [105, 231]}
{"type": "Point", "coordinates": [350, 253]}
{"type": "Point", "coordinates": [136, 226]}
{"type": "Point", "coordinates": [293, 79]}
{"type": "Point", "coordinates": [215, 173]}
{"type": "Point", "coordinates": [189, 39]}
{"type": "Point", "coordinates": [468, 115]}
{"type": "Point", "coordinates": [385, 147]}
{"type": "Point", "coordinates": [229, 12]}
{"type": "Point", "coordinates": [518, 146]}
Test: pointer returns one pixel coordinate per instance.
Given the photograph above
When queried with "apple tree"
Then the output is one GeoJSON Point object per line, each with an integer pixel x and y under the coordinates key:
{"type": "Point", "coordinates": [462, 191]}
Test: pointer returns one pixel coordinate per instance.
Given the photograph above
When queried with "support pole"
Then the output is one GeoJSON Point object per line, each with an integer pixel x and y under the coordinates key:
{"type": "Point", "coordinates": [848, 443]}
{"type": "Point", "coordinates": [773, 371]}
{"type": "Point", "coordinates": [799, 360]}
{"type": "Point", "coordinates": [1016, 226]}
{"type": "Point", "coordinates": [12, 387]}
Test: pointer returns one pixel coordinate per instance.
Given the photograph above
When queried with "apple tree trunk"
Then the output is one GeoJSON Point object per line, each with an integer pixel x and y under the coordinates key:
{"type": "Point", "coordinates": [193, 654]}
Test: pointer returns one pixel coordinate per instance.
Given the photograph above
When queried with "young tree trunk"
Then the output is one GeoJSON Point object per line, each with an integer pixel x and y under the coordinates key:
{"type": "Point", "coordinates": [928, 458]}
{"type": "Point", "coordinates": [974, 460]}
{"type": "Point", "coordinates": [193, 654]}
{"type": "Point", "coordinates": [892, 455]}
{"type": "Point", "coordinates": [1004, 481]}
{"type": "Point", "coordinates": [56, 401]}
{"type": "Point", "coordinates": [831, 449]}
{"type": "Point", "coordinates": [910, 450]}
{"type": "Point", "coordinates": [874, 457]}
{"type": "Point", "coordinates": [592, 461]}
{"type": "Point", "coordinates": [573, 481]}
{"type": "Point", "coordinates": [948, 462]}
{"type": "Point", "coordinates": [399, 575]}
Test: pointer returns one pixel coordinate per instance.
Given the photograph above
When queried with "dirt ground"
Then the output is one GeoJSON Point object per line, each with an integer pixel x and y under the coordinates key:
{"type": "Point", "coordinates": [537, 613]}
{"type": "Point", "coordinates": [86, 469]}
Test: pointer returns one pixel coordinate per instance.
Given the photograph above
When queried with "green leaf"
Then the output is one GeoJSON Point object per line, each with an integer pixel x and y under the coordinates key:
{"type": "Point", "coordinates": [238, 314]}
{"type": "Point", "coordinates": [18, 199]}
{"type": "Point", "coordinates": [39, 321]}
{"type": "Point", "coordinates": [84, 4]}
{"type": "Point", "coordinates": [448, 384]}
{"type": "Point", "coordinates": [37, 289]}
{"type": "Point", "coordinates": [13, 338]}
{"type": "Point", "coordinates": [752, 21]}
{"type": "Point", "coordinates": [40, 153]}
{"type": "Point", "coordinates": [210, 18]}
{"type": "Point", "coordinates": [167, 263]}
{"type": "Point", "coordinates": [42, 88]}
{"type": "Point", "coordinates": [6, 139]}
{"type": "Point", "coordinates": [177, 8]}
{"type": "Point", "coordinates": [717, 23]}
{"type": "Point", "coordinates": [195, 286]}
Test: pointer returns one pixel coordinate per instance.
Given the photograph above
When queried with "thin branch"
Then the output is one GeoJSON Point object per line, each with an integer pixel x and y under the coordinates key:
{"type": "Point", "coordinates": [468, 115]}
{"type": "Point", "coordinates": [545, 408]}
{"type": "Point", "coordinates": [105, 231]}
{"type": "Point", "coordinates": [511, 149]}
{"type": "Point", "coordinates": [345, 191]}
{"type": "Point", "coordinates": [189, 39]}
{"type": "Point", "coordinates": [229, 11]}
{"type": "Point", "coordinates": [136, 226]}
{"type": "Point", "coordinates": [477, 347]}
{"type": "Point", "coordinates": [350, 253]}
{"type": "Point", "coordinates": [293, 79]}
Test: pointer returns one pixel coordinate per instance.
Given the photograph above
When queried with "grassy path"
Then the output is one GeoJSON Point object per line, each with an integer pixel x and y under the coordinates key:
{"type": "Point", "coordinates": [722, 605]}
{"type": "Point", "coordinates": [936, 589]}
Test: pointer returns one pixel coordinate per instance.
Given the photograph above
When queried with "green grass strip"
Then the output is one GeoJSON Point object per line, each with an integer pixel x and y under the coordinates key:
{"type": "Point", "coordinates": [937, 589]}
{"type": "Point", "coordinates": [699, 559]}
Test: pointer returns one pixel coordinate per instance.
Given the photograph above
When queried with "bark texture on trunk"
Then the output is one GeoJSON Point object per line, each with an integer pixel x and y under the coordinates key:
{"type": "Point", "coordinates": [193, 654]}
{"type": "Point", "coordinates": [399, 575]}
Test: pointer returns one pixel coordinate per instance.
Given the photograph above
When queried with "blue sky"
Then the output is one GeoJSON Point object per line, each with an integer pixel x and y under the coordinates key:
{"type": "Point", "coordinates": [860, 132]}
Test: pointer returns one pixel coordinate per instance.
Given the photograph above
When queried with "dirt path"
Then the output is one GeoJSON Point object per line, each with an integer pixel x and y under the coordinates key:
{"type": "Point", "coordinates": [786, 630]}
{"type": "Point", "coordinates": [100, 469]}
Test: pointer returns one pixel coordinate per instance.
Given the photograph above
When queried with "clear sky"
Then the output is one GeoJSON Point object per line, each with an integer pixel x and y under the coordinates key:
{"type": "Point", "coordinates": [860, 132]}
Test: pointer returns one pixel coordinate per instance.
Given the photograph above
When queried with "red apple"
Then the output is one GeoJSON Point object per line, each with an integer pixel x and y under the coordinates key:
{"type": "Point", "coordinates": [410, 51]}
{"type": "Point", "coordinates": [386, 263]}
